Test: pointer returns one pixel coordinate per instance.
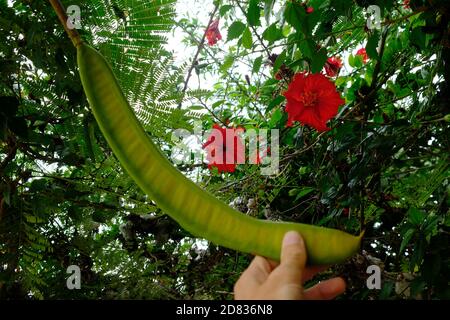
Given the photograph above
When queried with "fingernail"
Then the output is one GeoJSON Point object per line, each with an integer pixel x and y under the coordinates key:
{"type": "Point", "coordinates": [291, 237]}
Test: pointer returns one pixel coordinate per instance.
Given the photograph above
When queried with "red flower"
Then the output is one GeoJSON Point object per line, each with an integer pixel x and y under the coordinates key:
{"type": "Point", "coordinates": [312, 99]}
{"type": "Point", "coordinates": [406, 4]}
{"type": "Point", "coordinates": [332, 66]}
{"type": "Point", "coordinates": [309, 10]}
{"type": "Point", "coordinates": [221, 153]}
{"type": "Point", "coordinates": [213, 33]}
{"type": "Point", "coordinates": [362, 52]}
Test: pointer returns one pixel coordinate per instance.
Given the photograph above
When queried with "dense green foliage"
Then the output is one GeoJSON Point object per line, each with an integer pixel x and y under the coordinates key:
{"type": "Point", "coordinates": [384, 166]}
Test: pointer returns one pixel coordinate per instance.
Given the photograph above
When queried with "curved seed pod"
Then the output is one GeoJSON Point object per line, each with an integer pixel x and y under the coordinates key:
{"type": "Point", "coordinates": [193, 208]}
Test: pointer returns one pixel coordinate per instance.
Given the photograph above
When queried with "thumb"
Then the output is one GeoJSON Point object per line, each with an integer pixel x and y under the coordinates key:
{"type": "Point", "coordinates": [293, 258]}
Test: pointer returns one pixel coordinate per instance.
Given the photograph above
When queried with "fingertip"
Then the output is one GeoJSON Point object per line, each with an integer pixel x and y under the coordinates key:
{"type": "Point", "coordinates": [341, 284]}
{"type": "Point", "coordinates": [293, 252]}
{"type": "Point", "coordinates": [292, 238]}
{"type": "Point", "coordinates": [335, 287]}
{"type": "Point", "coordinates": [326, 290]}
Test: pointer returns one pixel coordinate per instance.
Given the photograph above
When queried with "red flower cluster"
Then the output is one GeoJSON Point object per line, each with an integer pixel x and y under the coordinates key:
{"type": "Point", "coordinates": [362, 52]}
{"type": "Point", "coordinates": [312, 99]}
{"type": "Point", "coordinates": [219, 149]}
{"type": "Point", "coordinates": [213, 33]}
{"type": "Point", "coordinates": [332, 66]}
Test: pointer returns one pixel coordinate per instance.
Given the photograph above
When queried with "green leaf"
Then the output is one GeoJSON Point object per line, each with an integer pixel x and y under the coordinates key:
{"type": "Point", "coordinates": [406, 238]}
{"type": "Point", "coordinates": [279, 61]}
{"type": "Point", "coordinates": [247, 40]}
{"type": "Point", "coordinates": [307, 48]}
{"type": "Point", "coordinates": [355, 61]}
{"type": "Point", "coordinates": [418, 38]}
{"type": "Point", "coordinates": [38, 185]}
{"type": "Point", "coordinates": [340, 80]}
{"type": "Point", "coordinates": [272, 33]}
{"type": "Point", "coordinates": [286, 30]}
{"type": "Point", "coordinates": [268, 8]}
{"type": "Point", "coordinates": [224, 9]}
{"type": "Point", "coordinates": [295, 15]}
{"type": "Point", "coordinates": [276, 117]}
{"type": "Point", "coordinates": [318, 60]}
{"type": "Point", "coordinates": [227, 64]}
{"type": "Point", "coordinates": [417, 256]}
{"type": "Point", "coordinates": [303, 192]}
{"type": "Point", "coordinates": [415, 216]}
{"type": "Point", "coordinates": [386, 290]}
{"type": "Point", "coordinates": [217, 104]}
{"type": "Point", "coordinates": [431, 225]}
{"type": "Point", "coordinates": [235, 30]}
{"type": "Point", "coordinates": [257, 64]}
{"type": "Point", "coordinates": [196, 108]}
{"type": "Point", "coordinates": [275, 102]}
{"type": "Point", "coordinates": [371, 47]}
{"type": "Point", "coordinates": [253, 13]}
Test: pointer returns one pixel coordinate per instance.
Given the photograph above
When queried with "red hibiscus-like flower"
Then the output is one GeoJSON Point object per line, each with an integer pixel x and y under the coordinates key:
{"type": "Point", "coordinates": [312, 99]}
{"type": "Point", "coordinates": [309, 10]}
{"type": "Point", "coordinates": [221, 153]}
{"type": "Point", "coordinates": [362, 52]}
{"type": "Point", "coordinates": [213, 33]}
{"type": "Point", "coordinates": [332, 66]}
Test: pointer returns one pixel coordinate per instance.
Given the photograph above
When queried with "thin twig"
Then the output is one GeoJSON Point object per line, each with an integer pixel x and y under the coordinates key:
{"type": "Point", "coordinates": [211, 112]}
{"type": "Point", "coordinates": [231, 77]}
{"type": "Point", "coordinates": [254, 31]}
{"type": "Point", "coordinates": [197, 53]}
{"type": "Point", "coordinates": [294, 154]}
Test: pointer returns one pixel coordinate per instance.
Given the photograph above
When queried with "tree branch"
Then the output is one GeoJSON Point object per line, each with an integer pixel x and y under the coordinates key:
{"type": "Point", "coordinates": [197, 53]}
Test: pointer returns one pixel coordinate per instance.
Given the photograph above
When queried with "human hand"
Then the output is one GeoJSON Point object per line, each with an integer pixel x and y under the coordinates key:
{"type": "Point", "coordinates": [267, 280]}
